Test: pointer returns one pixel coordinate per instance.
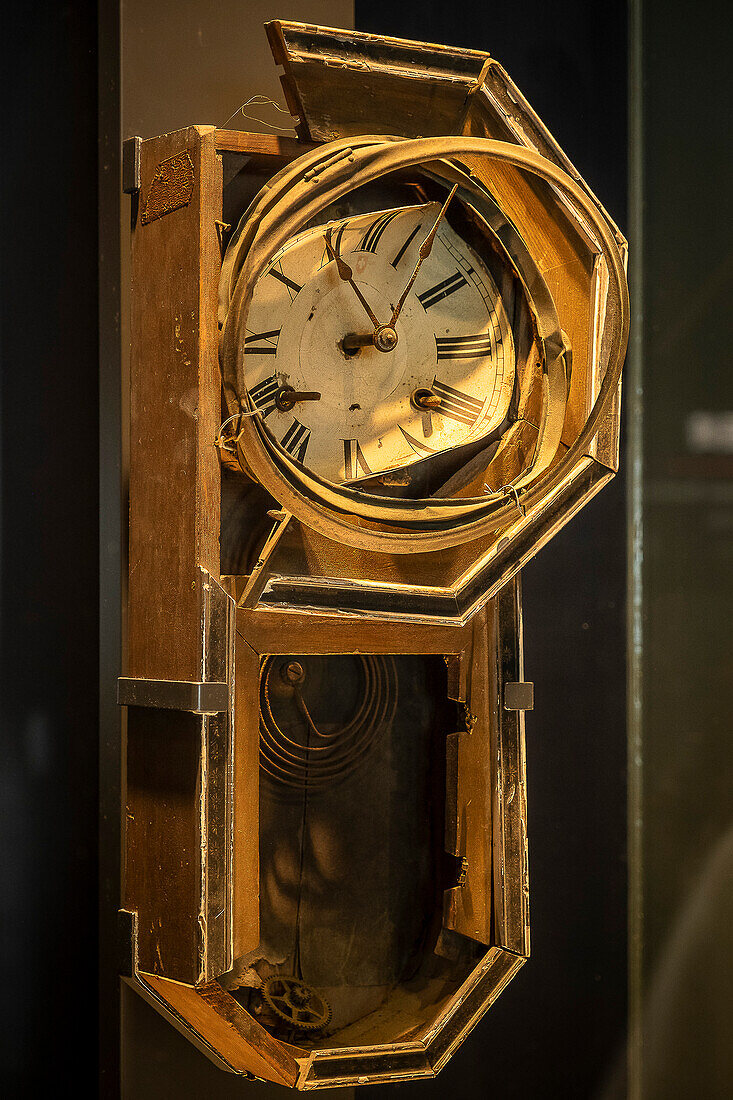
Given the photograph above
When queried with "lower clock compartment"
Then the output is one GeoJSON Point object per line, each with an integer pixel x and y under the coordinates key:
{"type": "Point", "coordinates": [353, 862]}
{"type": "Point", "coordinates": [360, 814]}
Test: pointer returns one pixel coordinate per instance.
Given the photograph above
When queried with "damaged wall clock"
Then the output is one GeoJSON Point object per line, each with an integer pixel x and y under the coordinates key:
{"type": "Point", "coordinates": [374, 369]}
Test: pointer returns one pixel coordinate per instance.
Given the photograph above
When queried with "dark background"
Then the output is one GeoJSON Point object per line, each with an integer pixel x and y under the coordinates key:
{"type": "Point", "coordinates": [560, 1028]}
{"type": "Point", "coordinates": [49, 548]}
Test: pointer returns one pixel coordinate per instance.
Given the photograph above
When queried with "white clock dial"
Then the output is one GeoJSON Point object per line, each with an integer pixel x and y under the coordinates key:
{"type": "Point", "coordinates": [453, 342]}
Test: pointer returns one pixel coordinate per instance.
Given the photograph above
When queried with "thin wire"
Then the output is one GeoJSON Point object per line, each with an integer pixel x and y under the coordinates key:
{"type": "Point", "coordinates": [297, 968]}
{"type": "Point", "coordinates": [508, 491]}
{"type": "Point", "coordinates": [260, 100]}
{"type": "Point", "coordinates": [223, 444]}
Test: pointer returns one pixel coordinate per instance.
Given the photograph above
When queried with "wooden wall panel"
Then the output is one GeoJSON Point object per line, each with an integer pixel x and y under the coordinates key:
{"type": "Point", "coordinates": [174, 467]}
{"type": "Point", "coordinates": [163, 852]}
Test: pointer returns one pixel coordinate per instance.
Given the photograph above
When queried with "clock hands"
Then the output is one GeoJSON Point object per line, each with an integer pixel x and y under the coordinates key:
{"type": "Point", "coordinates": [425, 249]}
{"type": "Point", "coordinates": [384, 337]}
{"type": "Point", "coordinates": [347, 275]}
{"type": "Point", "coordinates": [368, 418]}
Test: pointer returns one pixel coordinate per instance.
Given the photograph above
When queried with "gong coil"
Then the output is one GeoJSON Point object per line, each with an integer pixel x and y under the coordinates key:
{"type": "Point", "coordinates": [304, 754]}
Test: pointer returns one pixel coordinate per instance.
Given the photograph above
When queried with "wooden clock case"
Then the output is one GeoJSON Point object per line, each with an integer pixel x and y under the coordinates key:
{"type": "Point", "coordinates": [199, 631]}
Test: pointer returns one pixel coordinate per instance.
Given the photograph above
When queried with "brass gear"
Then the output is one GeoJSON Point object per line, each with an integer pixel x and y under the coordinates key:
{"type": "Point", "coordinates": [301, 1006]}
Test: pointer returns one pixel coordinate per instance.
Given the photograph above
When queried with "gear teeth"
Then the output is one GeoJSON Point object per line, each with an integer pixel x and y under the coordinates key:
{"type": "Point", "coordinates": [298, 1004]}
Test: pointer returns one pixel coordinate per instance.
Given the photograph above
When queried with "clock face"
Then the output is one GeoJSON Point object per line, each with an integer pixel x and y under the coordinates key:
{"type": "Point", "coordinates": [348, 404]}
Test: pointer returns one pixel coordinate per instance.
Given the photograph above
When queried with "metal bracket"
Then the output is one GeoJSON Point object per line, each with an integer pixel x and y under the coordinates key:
{"type": "Point", "coordinates": [193, 697]}
{"type": "Point", "coordinates": [131, 165]}
{"type": "Point", "coordinates": [126, 943]}
{"type": "Point", "coordinates": [519, 695]}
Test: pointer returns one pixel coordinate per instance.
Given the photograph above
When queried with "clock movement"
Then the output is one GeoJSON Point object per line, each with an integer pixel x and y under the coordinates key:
{"type": "Point", "coordinates": [374, 369]}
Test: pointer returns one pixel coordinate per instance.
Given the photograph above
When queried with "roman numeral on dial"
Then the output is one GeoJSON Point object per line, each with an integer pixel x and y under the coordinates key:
{"type": "Point", "coordinates": [373, 235]}
{"type": "Point", "coordinates": [441, 290]}
{"type": "Point", "coordinates": [292, 287]}
{"type": "Point", "coordinates": [269, 347]}
{"type": "Point", "coordinates": [296, 440]}
{"type": "Point", "coordinates": [456, 404]}
{"type": "Point", "coordinates": [336, 241]}
{"type": "Point", "coordinates": [263, 395]}
{"type": "Point", "coordinates": [406, 245]}
{"type": "Point", "coordinates": [463, 347]}
{"type": "Point", "coordinates": [418, 447]}
{"type": "Point", "coordinates": [354, 460]}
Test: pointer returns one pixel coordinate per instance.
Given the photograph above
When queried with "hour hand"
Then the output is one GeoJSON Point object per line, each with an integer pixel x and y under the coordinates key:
{"type": "Point", "coordinates": [347, 275]}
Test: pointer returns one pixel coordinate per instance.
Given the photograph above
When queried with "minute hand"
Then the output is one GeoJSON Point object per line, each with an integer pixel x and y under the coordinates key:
{"type": "Point", "coordinates": [425, 250]}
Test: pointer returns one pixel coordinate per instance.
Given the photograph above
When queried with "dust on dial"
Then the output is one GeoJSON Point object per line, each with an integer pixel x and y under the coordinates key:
{"type": "Point", "coordinates": [348, 410]}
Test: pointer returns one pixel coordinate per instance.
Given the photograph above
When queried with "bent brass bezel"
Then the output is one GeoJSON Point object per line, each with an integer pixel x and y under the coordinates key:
{"type": "Point", "coordinates": [362, 520]}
